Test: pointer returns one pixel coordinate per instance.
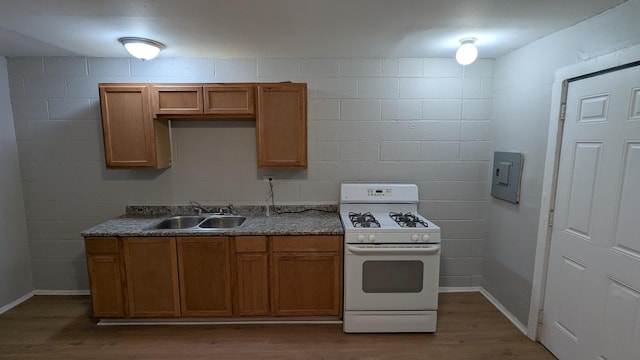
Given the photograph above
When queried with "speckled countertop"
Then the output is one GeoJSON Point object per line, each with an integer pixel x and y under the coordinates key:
{"type": "Point", "coordinates": [138, 220]}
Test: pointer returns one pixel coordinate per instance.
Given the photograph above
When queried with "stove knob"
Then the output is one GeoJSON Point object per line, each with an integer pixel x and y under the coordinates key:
{"type": "Point", "coordinates": [372, 238]}
{"type": "Point", "coordinates": [414, 237]}
{"type": "Point", "coordinates": [360, 238]}
{"type": "Point", "coordinates": [425, 237]}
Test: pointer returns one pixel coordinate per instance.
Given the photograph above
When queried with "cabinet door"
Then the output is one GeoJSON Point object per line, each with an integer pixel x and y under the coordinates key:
{"type": "Point", "coordinates": [229, 100]}
{"type": "Point", "coordinates": [104, 268]}
{"type": "Point", "coordinates": [130, 138]}
{"type": "Point", "coordinates": [306, 275]}
{"type": "Point", "coordinates": [106, 286]}
{"type": "Point", "coordinates": [281, 126]}
{"type": "Point", "coordinates": [306, 284]}
{"type": "Point", "coordinates": [205, 277]}
{"type": "Point", "coordinates": [177, 100]}
{"type": "Point", "coordinates": [251, 276]}
{"type": "Point", "coordinates": [152, 277]}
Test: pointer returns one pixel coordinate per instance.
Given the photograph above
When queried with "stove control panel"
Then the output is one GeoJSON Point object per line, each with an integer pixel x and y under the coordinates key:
{"type": "Point", "coordinates": [358, 193]}
{"type": "Point", "coordinates": [418, 238]}
{"type": "Point", "coordinates": [379, 193]}
{"type": "Point", "coordinates": [369, 238]}
{"type": "Point", "coordinates": [391, 238]}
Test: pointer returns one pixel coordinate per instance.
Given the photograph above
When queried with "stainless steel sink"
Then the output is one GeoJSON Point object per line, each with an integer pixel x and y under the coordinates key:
{"type": "Point", "coordinates": [197, 222]}
{"type": "Point", "coordinates": [179, 222]}
{"type": "Point", "coordinates": [222, 221]}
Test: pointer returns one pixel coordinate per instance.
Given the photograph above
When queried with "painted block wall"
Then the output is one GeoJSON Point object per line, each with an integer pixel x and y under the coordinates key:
{"type": "Point", "coordinates": [15, 266]}
{"type": "Point", "coordinates": [403, 120]}
{"type": "Point", "coordinates": [523, 84]}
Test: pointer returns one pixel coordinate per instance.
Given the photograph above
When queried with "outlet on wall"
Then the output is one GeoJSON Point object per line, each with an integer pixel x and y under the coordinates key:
{"type": "Point", "coordinates": [268, 178]}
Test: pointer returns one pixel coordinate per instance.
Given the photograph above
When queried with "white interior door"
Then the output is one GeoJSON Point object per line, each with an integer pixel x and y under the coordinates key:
{"type": "Point", "coordinates": [592, 296]}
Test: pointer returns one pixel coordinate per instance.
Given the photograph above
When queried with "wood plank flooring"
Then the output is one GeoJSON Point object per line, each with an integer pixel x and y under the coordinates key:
{"type": "Point", "coordinates": [60, 327]}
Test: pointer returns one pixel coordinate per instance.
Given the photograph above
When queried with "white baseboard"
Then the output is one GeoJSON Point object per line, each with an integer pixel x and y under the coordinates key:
{"type": "Point", "coordinates": [33, 293]}
{"type": "Point", "coordinates": [113, 322]}
{"type": "Point", "coordinates": [491, 299]}
{"type": "Point", "coordinates": [514, 320]}
{"type": "Point", "coordinates": [62, 292]}
{"type": "Point", "coordinates": [17, 302]}
{"type": "Point", "coordinates": [484, 292]}
{"type": "Point", "coordinates": [459, 289]}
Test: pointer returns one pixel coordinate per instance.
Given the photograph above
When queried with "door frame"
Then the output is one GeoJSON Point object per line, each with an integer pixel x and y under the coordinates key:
{"type": "Point", "coordinates": [552, 162]}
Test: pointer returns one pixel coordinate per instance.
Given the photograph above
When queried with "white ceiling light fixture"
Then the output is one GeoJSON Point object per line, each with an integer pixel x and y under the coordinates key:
{"type": "Point", "coordinates": [141, 48]}
{"type": "Point", "coordinates": [467, 52]}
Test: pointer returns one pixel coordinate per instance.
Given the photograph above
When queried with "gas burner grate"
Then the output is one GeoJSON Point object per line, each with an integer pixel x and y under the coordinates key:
{"type": "Point", "coordinates": [407, 219]}
{"type": "Point", "coordinates": [363, 220]}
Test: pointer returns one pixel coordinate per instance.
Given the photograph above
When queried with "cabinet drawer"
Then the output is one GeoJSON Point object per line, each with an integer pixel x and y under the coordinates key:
{"type": "Point", "coordinates": [250, 244]}
{"type": "Point", "coordinates": [101, 245]}
{"type": "Point", "coordinates": [280, 244]}
{"type": "Point", "coordinates": [178, 99]}
{"type": "Point", "coordinates": [229, 99]}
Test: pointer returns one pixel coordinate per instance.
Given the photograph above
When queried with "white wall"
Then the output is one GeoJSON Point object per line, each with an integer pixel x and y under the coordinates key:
{"type": "Point", "coordinates": [523, 83]}
{"type": "Point", "coordinates": [369, 119]}
{"type": "Point", "coordinates": [15, 268]}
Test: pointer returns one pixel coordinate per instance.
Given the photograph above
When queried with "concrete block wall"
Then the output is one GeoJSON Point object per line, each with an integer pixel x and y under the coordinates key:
{"type": "Point", "coordinates": [402, 120]}
{"type": "Point", "coordinates": [523, 83]}
{"type": "Point", "coordinates": [15, 266]}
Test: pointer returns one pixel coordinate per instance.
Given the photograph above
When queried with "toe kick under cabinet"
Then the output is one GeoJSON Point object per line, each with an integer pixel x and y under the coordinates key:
{"type": "Point", "coordinates": [215, 276]}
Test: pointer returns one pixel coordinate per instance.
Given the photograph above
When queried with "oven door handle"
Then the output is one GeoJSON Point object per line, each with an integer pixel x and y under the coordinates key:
{"type": "Point", "coordinates": [425, 250]}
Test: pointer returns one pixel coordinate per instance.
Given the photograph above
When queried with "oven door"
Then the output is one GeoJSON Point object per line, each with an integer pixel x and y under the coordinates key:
{"type": "Point", "coordinates": [391, 277]}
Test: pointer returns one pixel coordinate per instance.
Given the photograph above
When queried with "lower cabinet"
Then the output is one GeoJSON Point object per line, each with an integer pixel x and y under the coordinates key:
{"type": "Point", "coordinates": [152, 276]}
{"type": "Point", "coordinates": [251, 276]}
{"type": "Point", "coordinates": [104, 266]}
{"type": "Point", "coordinates": [306, 275]}
{"type": "Point", "coordinates": [216, 276]}
{"type": "Point", "coordinates": [205, 276]}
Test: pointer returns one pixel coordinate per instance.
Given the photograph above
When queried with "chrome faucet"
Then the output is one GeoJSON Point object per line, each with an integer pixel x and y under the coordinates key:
{"type": "Point", "coordinates": [199, 207]}
{"type": "Point", "coordinates": [227, 209]}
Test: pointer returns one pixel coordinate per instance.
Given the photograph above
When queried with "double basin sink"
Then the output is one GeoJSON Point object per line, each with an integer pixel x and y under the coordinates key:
{"type": "Point", "coordinates": [199, 222]}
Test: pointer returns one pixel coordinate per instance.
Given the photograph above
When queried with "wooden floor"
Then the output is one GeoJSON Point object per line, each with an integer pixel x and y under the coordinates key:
{"type": "Point", "coordinates": [59, 327]}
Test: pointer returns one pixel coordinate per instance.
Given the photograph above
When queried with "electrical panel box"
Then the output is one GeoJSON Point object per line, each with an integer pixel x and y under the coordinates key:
{"type": "Point", "coordinates": [507, 171]}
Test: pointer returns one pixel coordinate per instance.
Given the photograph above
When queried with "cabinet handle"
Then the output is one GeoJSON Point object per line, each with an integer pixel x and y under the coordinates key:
{"type": "Point", "coordinates": [396, 250]}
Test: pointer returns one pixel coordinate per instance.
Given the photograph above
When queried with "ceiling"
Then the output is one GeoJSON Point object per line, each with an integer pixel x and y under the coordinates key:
{"type": "Point", "coordinates": [284, 28]}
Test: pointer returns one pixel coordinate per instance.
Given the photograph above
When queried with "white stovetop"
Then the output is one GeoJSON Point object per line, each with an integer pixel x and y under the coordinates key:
{"type": "Point", "coordinates": [389, 232]}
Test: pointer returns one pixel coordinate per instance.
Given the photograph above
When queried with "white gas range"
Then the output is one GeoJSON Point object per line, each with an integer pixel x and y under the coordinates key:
{"type": "Point", "coordinates": [392, 260]}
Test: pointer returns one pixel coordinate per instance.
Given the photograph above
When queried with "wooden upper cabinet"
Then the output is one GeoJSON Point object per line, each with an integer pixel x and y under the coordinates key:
{"type": "Point", "coordinates": [135, 119]}
{"type": "Point", "coordinates": [213, 100]}
{"type": "Point", "coordinates": [229, 99]}
{"type": "Point", "coordinates": [177, 100]}
{"type": "Point", "coordinates": [281, 125]}
{"type": "Point", "coordinates": [132, 138]}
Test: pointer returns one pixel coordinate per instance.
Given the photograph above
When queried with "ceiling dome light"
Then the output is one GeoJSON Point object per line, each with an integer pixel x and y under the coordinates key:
{"type": "Point", "coordinates": [467, 52]}
{"type": "Point", "coordinates": [143, 49]}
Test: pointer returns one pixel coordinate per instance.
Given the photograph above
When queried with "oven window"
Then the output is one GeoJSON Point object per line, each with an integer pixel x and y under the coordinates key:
{"type": "Point", "coordinates": [398, 276]}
